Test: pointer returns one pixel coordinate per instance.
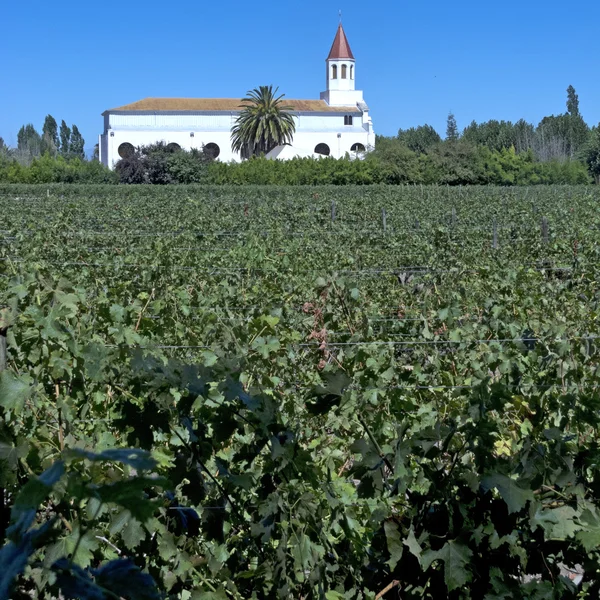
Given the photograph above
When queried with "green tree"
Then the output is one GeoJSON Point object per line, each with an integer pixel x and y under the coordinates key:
{"type": "Point", "coordinates": [591, 154]}
{"type": "Point", "coordinates": [451, 128]}
{"type": "Point", "coordinates": [263, 124]}
{"type": "Point", "coordinates": [562, 137]}
{"type": "Point", "coordinates": [2, 144]}
{"type": "Point", "coordinates": [76, 144]}
{"type": "Point", "coordinates": [524, 134]}
{"type": "Point", "coordinates": [419, 139]}
{"type": "Point", "coordinates": [65, 138]}
{"type": "Point", "coordinates": [29, 141]}
{"type": "Point", "coordinates": [500, 135]}
{"type": "Point", "coordinates": [50, 139]}
{"type": "Point", "coordinates": [572, 102]}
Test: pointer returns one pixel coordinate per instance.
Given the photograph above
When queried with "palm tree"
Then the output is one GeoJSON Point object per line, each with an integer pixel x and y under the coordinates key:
{"type": "Point", "coordinates": [263, 124]}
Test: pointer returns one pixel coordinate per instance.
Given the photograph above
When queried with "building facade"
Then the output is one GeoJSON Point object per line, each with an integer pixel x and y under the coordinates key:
{"type": "Point", "coordinates": [336, 124]}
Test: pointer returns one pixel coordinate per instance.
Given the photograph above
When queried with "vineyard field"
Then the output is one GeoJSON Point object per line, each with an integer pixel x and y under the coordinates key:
{"type": "Point", "coordinates": [344, 392]}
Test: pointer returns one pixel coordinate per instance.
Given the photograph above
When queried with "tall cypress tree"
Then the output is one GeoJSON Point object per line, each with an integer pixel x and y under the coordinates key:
{"type": "Point", "coordinates": [451, 128]}
{"type": "Point", "coordinates": [29, 140]}
{"type": "Point", "coordinates": [572, 102]}
{"type": "Point", "coordinates": [65, 138]}
{"type": "Point", "coordinates": [77, 142]}
{"type": "Point", "coordinates": [50, 139]}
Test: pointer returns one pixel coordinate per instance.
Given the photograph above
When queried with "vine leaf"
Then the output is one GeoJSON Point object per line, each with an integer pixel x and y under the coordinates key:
{"type": "Point", "coordinates": [133, 534]}
{"type": "Point", "coordinates": [118, 578]}
{"type": "Point", "coordinates": [14, 391]}
{"type": "Point", "coordinates": [124, 578]}
{"type": "Point", "coordinates": [324, 397]}
{"type": "Point", "coordinates": [31, 496]}
{"type": "Point", "coordinates": [455, 557]}
{"type": "Point", "coordinates": [14, 556]}
{"type": "Point", "coordinates": [559, 522]}
{"type": "Point", "coordinates": [515, 497]}
{"type": "Point", "coordinates": [217, 595]}
{"type": "Point", "coordinates": [589, 536]}
{"type": "Point", "coordinates": [413, 545]}
{"type": "Point", "coordinates": [394, 543]}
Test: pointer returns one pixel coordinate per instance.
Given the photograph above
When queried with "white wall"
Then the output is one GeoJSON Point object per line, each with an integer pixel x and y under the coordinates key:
{"type": "Point", "coordinates": [116, 137]}
{"type": "Point", "coordinates": [312, 129]}
{"type": "Point", "coordinates": [341, 83]}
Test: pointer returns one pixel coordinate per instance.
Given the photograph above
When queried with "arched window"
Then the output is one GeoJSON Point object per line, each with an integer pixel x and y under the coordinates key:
{"type": "Point", "coordinates": [126, 150]}
{"type": "Point", "coordinates": [344, 69]}
{"type": "Point", "coordinates": [173, 147]}
{"type": "Point", "coordinates": [351, 71]}
{"type": "Point", "coordinates": [322, 149]}
{"type": "Point", "coordinates": [333, 71]}
{"type": "Point", "coordinates": [357, 147]}
{"type": "Point", "coordinates": [211, 149]}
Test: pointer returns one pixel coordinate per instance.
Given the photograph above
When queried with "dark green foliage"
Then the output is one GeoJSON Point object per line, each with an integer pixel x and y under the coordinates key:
{"type": "Point", "coordinates": [131, 169]}
{"type": "Point", "coordinates": [76, 144]}
{"type": "Point", "coordinates": [572, 102]}
{"type": "Point", "coordinates": [451, 128]}
{"type": "Point", "coordinates": [188, 167]}
{"type": "Point", "coordinates": [391, 163]}
{"type": "Point", "coordinates": [29, 141]}
{"type": "Point", "coordinates": [161, 164]}
{"type": "Point", "coordinates": [322, 420]}
{"type": "Point", "coordinates": [50, 139]}
{"type": "Point", "coordinates": [263, 124]}
{"type": "Point", "coordinates": [419, 139]}
{"type": "Point", "coordinates": [501, 135]}
{"type": "Point", "coordinates": [591, 154]}
{"type": "Point", "coordinates": [65, 138]}
{"type": "Point", "coordinates": [298, 171]}
{"type": "Point", "coordinates": [47, 169]}
{"type": "Point", "coordinates": [560, 137]}
{"type": "Point", "coordinates": [119, 577]}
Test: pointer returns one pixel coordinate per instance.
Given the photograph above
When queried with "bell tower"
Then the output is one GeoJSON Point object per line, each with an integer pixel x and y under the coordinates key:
{"type": "Point", "coordinates": [341, 73]}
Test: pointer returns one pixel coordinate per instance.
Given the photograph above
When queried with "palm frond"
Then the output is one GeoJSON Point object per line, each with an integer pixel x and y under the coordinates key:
{"type": "Point", "coordinates": [263, 123]}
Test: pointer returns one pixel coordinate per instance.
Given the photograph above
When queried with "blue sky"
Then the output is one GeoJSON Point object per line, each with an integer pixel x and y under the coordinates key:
{"type": "Point", "coordinates": [415, 61]}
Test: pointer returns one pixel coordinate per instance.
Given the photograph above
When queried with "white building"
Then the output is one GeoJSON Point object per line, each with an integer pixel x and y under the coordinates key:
{"type": "Point", "coordinates": [337, 124]}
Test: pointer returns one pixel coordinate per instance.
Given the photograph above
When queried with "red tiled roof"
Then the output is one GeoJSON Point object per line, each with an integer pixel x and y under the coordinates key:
{"type": "Point", "coordinates": [341, 47]}
{"type": "Point", "coordinates": [223, 104]}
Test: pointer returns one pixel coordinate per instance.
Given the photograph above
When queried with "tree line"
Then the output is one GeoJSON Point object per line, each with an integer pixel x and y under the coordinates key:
{"type": "Point", "coordinates": [55, 141]}
{"type": "Point", "coordinates": [561, 149]}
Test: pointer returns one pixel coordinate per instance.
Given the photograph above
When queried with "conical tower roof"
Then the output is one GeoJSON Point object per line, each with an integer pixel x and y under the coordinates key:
{"type": "Point", "coordinates": [340, 47]}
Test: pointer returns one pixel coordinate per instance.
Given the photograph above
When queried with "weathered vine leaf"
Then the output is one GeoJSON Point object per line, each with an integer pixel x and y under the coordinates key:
{"type": "Point", "coordinates": [413, 545]}
{"type": "Point", "coordinates": [515, 496]}
{"type": "Point", "coordinates": [14, 555]}
{"type": "Point", "coordinates": [14, 391]}
{"type": "Point", "coordinates": [124, 578]}
{"type": "Point", "coordinates": [33, 493]}
{"type": "Point", "coordinates": [455, 556]}
{"type": "Point", "coordinates": [589, 535]}
{"type": "Point", "coordinates": [394, 542]}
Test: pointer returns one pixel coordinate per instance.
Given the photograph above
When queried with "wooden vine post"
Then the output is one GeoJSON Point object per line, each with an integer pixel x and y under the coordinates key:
{"type": "Point", "coordinates": [495, 235]}
{"type": "Point", "coordinates": [544, 227]}
{"type": "Point", "coordinates": [3, 349]}
{"type": "Point", "coordinates": [384, 219]}
{"type": "Point", "coordinates": [333, 211]}
{"type": "Point", "coordinates": [4, 516]}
